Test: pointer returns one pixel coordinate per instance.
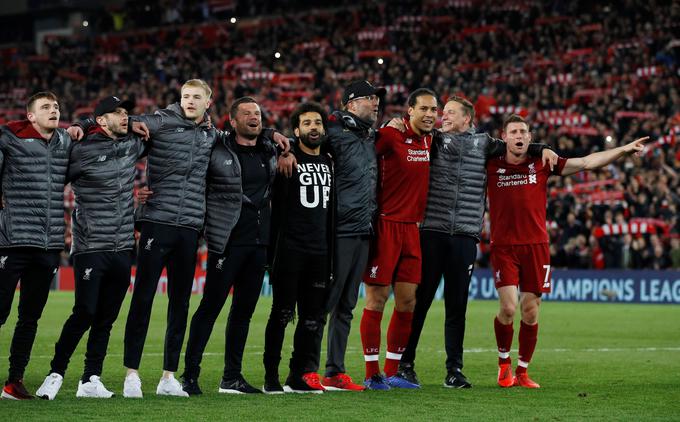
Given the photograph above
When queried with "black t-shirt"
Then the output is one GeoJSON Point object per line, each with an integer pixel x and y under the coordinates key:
{"type": "Point", "coordinates": [253, 224]}
{"type": "Point", "coordinates": [309, 199]}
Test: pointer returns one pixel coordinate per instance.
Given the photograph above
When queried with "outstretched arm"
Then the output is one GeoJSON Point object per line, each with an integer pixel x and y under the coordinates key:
{"type": "Point", "coordinates": [602, 158]}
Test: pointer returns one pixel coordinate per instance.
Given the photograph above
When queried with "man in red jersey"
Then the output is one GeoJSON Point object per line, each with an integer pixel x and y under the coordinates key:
{"type": "Point", "coordinates": [517, 190]}
{"type": "Point", "coordinates": [394, 256]}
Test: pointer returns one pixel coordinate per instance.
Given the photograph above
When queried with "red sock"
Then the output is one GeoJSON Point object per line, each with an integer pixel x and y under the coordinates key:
{"type": "Point", "coordinates": [370, 340]}
{"type": "Point", "coordinates": [397, 337]}
{"type": "Point", "coordinates": [504, 335]}
{"type": "Point", "coordinates": [528, 334]}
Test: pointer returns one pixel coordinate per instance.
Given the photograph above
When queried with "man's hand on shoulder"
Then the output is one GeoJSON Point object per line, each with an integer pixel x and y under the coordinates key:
{"type": "Point", "coordinates": [281, 141]}
{"type": "Point", "coordinates": [75, 132]}
{"type": "Point", "coordinates": [286, 163]}
{"type": "Point", "coordinates": [397, 123]}
{"type": "Point", "coordinates": [549, 158]}
{"type": "Point", "coordinates": [141, 129]}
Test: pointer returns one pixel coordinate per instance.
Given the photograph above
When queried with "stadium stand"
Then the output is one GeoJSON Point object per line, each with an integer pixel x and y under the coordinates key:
{"type": "Point", "coordinates": [587, 75]}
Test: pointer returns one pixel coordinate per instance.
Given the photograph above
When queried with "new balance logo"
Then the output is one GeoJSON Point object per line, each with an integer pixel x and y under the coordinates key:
{"type": "Point", "coordinates": [498, 276]}
{"type": "Point", "coordinates": [3, 261]}
{"type": "Point", "coordinates": [374, 272]}
{"type": "Point", "coordinates": [101, 158]}
{"type": "Point", "coordinates": [148, 244]}
{"type": "Point", "coordinates": [470, 269]}
{"type": "Point", "coordinates": [88, 271]}
{"type": "Point", "coordinates": [220, 262]}
{"type": "Point", "coordinates": [409, 141]}
{"type": "Point", "coordinates": [500, 171]}
{"type": "Point", "coordinates": [532, 179]}
{"type": "Point", "coordinates": [228, 162]}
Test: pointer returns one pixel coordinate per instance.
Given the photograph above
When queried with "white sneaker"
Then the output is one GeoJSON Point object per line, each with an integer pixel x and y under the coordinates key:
{"type": "Point", "coordinates": [50, 387]}
{"type": "Point", "coordinates": [93, 389]}
{"type": "Point", "coordinates": [170, 387]}
{"type": "Point", "coordinates": [132, 387]}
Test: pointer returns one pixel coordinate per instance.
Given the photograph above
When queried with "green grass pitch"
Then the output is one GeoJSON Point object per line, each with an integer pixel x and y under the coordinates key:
{"type": "Point", "coordinates": [594, 361]}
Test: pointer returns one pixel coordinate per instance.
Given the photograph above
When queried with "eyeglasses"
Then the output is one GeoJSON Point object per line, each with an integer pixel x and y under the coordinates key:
{"type": "Point", "coordinates": [365, 97]}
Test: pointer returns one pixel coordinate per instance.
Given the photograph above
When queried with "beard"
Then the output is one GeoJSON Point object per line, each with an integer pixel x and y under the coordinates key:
{"type": "Point", "coordinates": [120, 132]}
{"type": "Point", "coordinates": [312, 143]}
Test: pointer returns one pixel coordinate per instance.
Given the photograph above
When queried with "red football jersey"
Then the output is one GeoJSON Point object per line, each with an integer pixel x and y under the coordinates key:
{"type": "Point", "coordinates": [403, 174]}
{"type": "Point", "coordinates": [518, 200]}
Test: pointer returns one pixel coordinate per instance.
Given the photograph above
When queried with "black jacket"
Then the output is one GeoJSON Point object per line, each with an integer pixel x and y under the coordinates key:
{"type": "Point", "coordinates": [224, 196]}
{"type": "Point", "coordinates": [102, 174]}
{"type": "Point", "coordinates": [351, 142]}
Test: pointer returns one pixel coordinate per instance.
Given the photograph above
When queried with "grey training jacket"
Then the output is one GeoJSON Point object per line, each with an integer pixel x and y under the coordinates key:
{"type": "Point", "coordinates": [33, 173]}
{"type": "Point", "coordinates": [457, 196]}
{"type": "Point", "coordinates": [102, 174]}
{"type": "Point", "coordinates": [176, 168]}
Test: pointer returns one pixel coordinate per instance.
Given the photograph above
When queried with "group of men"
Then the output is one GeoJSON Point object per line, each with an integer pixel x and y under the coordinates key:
{"type": "Point", "coordinates": [396, 208]}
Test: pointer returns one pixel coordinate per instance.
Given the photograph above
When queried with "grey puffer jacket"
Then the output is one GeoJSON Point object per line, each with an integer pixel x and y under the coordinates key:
{"type": "Point", "coordinates": [33, 173]}
{"type": "Point", "coordinates": [176, 168]}
{"type": "Point", "coordinates": [351, 142]}
{"type": "Point", "coordinates": [102, 174]}
{"type": "Point", "coordinates": [225, 190]}
{"type": "Point", "coordinates": [457, 197]}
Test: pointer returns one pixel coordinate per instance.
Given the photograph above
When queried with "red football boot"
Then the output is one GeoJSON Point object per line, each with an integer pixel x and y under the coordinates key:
{"type": "Point", "coordinates": [523, 380]}
{"type": "Point", "coordinates": [341, 382]}
{"type": "Point", "coordinates": [505, 377]}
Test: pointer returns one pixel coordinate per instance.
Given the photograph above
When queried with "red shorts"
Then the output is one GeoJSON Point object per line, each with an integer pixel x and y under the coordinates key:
{"type": "Point", "coordinates": [526, 266]}
{"type": "Point", "coordinates": [394, 254]}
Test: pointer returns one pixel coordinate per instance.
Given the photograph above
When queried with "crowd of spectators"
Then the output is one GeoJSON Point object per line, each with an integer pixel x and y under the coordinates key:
{"type": "Point", "coordinates": [587, 75]}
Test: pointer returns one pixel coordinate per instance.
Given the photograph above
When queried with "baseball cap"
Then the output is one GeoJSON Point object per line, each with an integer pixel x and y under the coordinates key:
{"type": "Point", "coordinates": [110, 104]}
{"type": "Point", "coordinates": [359, 89]}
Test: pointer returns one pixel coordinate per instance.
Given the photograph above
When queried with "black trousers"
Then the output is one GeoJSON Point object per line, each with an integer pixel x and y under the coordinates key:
{"type": "Point", "coordinates": [161, 245]}
{"type": "Point", "coordinates": [454, 258]}
{"type": "Point", "coordinates": [35, 268]}
{"type": "Point", "coordinates": [240, 267]}
{"type": "Point", "coordinates": [300, 278]}
{"type": "Point", "coordinates": [102, 279]}
{"type": "Point", "coordinates": [351, 257]}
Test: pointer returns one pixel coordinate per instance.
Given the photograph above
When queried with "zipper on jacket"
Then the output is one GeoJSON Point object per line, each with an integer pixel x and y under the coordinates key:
{"type": "Point", "coordinates": [259, 222]}
{"type": "Point", "coordinates": [186, 175]}
{"type": "Point", "coordinates": [457, 191]}
{"type": "Point", "coordinates": [49, 193]}
{"type": "Point", "coordinates": [117, 149]}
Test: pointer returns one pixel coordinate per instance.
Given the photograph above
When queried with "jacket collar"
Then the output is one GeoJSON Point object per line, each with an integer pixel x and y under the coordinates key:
{"type": "Point", "coordinates": [260, 143]}
{"type": "Point", "coordinates": [23, 129]}
{"type": "Point", "coordinates": [176, 108]}
{"type": "Point", "coordinates": [351, 120]}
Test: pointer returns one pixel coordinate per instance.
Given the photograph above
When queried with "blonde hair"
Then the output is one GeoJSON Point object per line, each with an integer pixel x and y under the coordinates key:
{"type": "Point", "coordinates": [198, 83]}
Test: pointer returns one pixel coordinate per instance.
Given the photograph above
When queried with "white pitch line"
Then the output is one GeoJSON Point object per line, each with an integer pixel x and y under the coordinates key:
{"type": "Point", "coordinates": [474, 350]}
